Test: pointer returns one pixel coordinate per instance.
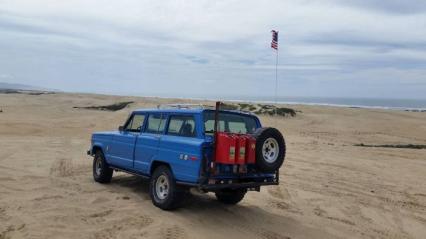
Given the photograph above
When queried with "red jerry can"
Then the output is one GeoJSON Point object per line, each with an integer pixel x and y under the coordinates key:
{"type": "Point", "coordinates": [225, 148]}
{"type": "Point", "coordinates": [250, 149]}
{"type": "Point", "coordinates": [240, 152]}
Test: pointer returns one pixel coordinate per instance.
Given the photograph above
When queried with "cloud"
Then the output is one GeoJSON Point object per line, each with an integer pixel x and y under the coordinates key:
{"type": "Point", "coordinates": [196, 59]}
{"type": "Point", "coordinates": [166, 47]}
{"type": "Point", "coordinates": [389, 6]}
{"type": "Point", "coordinates": [5, 76]}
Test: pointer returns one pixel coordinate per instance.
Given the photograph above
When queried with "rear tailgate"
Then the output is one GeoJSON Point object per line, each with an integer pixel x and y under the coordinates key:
{"type": "Point", "coordinates": [219, 175]}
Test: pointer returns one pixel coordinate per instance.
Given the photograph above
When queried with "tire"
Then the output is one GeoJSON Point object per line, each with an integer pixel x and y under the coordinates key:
{"type": "Point", "coordinates": [102, 173]}
{"type": "Point", "coordinates": [163, 190]}
{"type": "Point", "coordinates": [229, 196]}
{"type": "Point", "coordinates": [270, 149]}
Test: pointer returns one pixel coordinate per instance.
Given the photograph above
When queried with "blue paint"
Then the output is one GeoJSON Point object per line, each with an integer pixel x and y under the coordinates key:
{"type": "Point", "coordinates": [137, 151]}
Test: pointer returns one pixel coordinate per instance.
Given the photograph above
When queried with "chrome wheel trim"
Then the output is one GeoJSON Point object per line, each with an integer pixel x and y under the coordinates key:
{"type": "Point", "coordinates": [162, 187]}
{"type": "Point", "coordinates": [270, 150]}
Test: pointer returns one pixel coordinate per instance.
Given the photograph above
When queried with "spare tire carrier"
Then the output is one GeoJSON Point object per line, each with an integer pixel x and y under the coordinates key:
{"type": "Point", "coordinates": [270, 149]}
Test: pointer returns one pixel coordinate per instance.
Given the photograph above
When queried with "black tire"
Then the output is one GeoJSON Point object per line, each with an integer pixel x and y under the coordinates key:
{"type": "Point", "coordinates": [231, 196]}
{"type": "Point", "coordinates": [175, 195]}
{"type": "Point", "coordinates": [267, 163]}
{"type": "Point", "coordinates": [102, 173]}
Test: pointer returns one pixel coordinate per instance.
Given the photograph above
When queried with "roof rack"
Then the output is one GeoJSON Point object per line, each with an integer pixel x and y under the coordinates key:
{"type": "Point", "coordinates": [183, 106]}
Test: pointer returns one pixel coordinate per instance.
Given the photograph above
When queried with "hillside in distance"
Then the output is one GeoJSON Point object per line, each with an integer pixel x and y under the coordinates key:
{"type": "Point", "coordinates": [15, 86]}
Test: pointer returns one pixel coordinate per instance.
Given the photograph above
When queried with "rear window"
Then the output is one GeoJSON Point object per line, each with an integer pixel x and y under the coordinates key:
{"type": "Point", "coordinates": [228, 122]}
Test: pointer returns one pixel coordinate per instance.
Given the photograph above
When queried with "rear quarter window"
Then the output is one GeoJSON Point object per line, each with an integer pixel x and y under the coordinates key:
{"type": "Point", "coordinates": [181, 126]}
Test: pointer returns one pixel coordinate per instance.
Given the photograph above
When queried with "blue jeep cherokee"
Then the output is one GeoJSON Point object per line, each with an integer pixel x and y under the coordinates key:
{"type": "Point", "coordinates": [180, 147]}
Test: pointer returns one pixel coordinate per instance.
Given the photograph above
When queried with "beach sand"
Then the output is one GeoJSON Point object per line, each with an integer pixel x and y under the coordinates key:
{"type": "Point", "coordinates": [329, 188]}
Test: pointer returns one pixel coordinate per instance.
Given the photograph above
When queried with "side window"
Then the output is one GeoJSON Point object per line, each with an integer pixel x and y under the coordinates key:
{"type": "Point", "coordinates": [155, 124]}
{"type": "Point", "coordinates": [135, 123]}
{"type": "Point", "coordinates": [182, 126]}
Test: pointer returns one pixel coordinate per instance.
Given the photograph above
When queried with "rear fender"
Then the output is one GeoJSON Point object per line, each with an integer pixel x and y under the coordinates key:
{"type": "Point", "coordinates": [157, 163]}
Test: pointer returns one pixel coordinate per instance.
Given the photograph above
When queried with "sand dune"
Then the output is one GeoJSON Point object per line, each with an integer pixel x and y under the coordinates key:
{"type": "Point", "coordinates": [329, 188]}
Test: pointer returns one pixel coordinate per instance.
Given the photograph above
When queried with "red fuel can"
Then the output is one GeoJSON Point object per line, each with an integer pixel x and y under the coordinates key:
{"type": "Point", "coordinates": [250, 149]}
{"type": "Point", "coordinates": [240, 156]}
{"type": "Point", "coordinates": [225, 148]}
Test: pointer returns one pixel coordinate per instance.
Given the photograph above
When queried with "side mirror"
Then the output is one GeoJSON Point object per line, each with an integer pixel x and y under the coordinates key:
{"type": "Point", "coordinates": [120, 128]}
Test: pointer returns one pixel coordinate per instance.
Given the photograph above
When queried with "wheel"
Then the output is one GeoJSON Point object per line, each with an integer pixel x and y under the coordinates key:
{"type": "Point", "coordinates": [229, 196]}
{"type": "Point", "coordinates": [102, 173]}
{"type": "Point", "coordinates": [270, 149]}
{"type": "Point", "coordinates": [163, 190]}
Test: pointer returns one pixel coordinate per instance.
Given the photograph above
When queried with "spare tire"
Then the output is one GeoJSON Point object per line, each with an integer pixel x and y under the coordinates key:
{"type": "Point", "coordinates": [270, 149]}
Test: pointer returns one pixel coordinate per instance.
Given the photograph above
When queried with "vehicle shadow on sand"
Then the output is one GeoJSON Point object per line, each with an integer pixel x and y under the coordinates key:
{"type": "Point", "coordinates": [136, 184]}
{"type": "Point", "coordinates": [248, 217]}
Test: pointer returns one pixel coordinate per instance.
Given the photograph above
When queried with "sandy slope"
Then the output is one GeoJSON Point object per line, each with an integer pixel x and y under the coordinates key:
{"type": "Point", "coordinates": [329, 188]}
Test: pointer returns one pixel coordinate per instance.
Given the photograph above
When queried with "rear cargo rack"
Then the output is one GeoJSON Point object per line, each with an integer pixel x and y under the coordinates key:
{"type": "Point", "coordinates": [184, 106]}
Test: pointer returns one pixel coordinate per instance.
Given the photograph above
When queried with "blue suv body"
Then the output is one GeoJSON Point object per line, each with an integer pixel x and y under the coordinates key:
{"type": "Point", "coordinates": [181, 142]}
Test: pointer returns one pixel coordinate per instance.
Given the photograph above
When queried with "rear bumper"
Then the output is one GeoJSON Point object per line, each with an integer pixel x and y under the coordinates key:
{"type": "Point", "coordinates": [250, 182]}
{"type": "Point", "coordinates": [242, 181]}
{"type": "Point", "coordinates": [248, 185]}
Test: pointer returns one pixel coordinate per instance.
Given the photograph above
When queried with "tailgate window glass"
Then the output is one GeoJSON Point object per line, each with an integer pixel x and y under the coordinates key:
{"type": "Point", "coordinates": [229, 122]}
{"type": "Point", "coordinates": [238, 127]}
{"type": "Point", "coordinates": [155, 124]}
{"type": "Point", "coordinates": [209, 125]}
{"type": "Point", "coordinates": [181, 126]}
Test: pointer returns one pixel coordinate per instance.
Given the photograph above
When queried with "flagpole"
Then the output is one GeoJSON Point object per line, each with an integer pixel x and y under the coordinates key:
{"type": "Point", "coordinates": [276, 84]}
{"type": "Point", "coordinates": [274, 45]}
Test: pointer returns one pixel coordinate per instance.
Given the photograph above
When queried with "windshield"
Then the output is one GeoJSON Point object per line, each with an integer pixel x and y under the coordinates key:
{"type": "Point", "coordinates": [229, 122]}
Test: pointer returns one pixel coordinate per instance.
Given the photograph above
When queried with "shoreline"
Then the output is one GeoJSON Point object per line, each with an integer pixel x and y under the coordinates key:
{"type": "Point", "coordinates": [355, 106]}
{"type": "Point", "coordinates": [410, 109]}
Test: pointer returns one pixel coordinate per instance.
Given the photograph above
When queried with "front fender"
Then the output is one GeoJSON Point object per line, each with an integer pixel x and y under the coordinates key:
{"type": "Point", "coordinates": [97, 146]}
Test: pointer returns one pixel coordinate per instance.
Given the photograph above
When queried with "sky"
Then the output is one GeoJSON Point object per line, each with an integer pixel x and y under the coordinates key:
{"type": "Point", "coordinates": [211, 49]}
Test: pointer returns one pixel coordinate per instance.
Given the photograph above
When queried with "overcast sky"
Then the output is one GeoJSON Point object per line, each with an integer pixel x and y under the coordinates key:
{"type": "Point", "coordinates": [335, 48]}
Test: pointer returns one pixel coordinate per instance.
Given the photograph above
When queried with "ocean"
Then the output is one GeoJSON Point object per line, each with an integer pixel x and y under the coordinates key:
{"type": "Point", "coordinates": [398, 104]}
{"type": "Point", "coordinates": [373, 103]}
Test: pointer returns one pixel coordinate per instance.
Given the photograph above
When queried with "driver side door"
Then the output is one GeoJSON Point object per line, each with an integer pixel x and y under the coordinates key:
{"type": "Point", "coordinates": [123, 147]}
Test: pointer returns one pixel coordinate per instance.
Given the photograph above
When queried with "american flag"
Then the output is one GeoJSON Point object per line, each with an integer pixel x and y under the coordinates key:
{"type": "Point", "coordinates": [274, 43]}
